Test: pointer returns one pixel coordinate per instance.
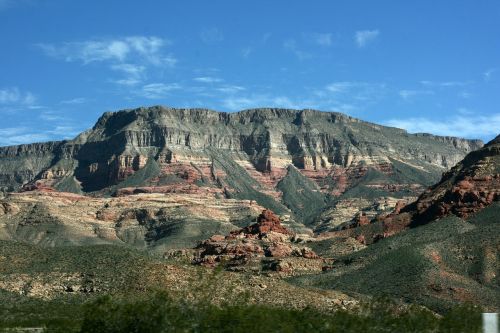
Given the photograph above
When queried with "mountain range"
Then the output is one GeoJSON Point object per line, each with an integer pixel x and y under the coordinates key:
{"type": "Point", "coordinates": [318, 199]}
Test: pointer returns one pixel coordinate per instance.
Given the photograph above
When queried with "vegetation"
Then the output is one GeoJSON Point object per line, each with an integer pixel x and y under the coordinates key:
{"type": "Point", "coordinates": [436, 265]}
{"type": "Point", "coordinates": [159, 313]}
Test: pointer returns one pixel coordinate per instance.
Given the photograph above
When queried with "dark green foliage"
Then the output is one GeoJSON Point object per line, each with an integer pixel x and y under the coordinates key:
{"type": "Point", "coordinates": [301, 195]}
{"type": "Point", "coordinates": [60, 315]}
{"type": "Point", "coordinates": [159, 313]}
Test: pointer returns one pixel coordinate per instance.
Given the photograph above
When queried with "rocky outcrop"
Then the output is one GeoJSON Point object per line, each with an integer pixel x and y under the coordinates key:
{"type": "Point", "coordinates": [267, 222]}
{"type": "Point", "coordinates": [470, 186]}
{"type": "Point", "coordinates": [145, 220]}
{"type": "Point", "coordinates": [266, 238]}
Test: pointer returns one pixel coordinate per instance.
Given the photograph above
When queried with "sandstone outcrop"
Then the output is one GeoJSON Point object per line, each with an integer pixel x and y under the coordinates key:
{"type": "Point", "coordinates": [472, 185]}
{"type": "Point", "coordinates": [266, 238]}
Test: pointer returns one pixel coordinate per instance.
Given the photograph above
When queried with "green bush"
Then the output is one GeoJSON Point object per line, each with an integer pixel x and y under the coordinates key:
{"type": "Point", "coordinates": [160, 314]}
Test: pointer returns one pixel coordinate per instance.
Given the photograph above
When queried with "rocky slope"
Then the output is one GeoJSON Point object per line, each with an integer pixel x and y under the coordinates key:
{"type": "Point", "coordinates": [265, 246]}
{"type": "Point", "coordinates": [439, 250]}
{"type": "Point", "coordinates": [147, 221]}
{"type": "Point", "coordinates": [470, 186]}
{"type": "Point", "coordinates": [284, 160]}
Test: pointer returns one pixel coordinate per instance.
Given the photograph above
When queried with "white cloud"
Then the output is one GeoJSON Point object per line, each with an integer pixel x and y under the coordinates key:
{"type": "Point", "coordinates": [408, 94]}
{"type": "Point", "coordinates": [22, 135]}
{"type": "Point", "coordinates": [462, 125]}
{"type": "Point", "coordinates": [208, 79]}
{"type": "Point", "coordinates": [465, 94]}
{"type": "Point", "coordinates": [323, 39]}
{"type": "Point", "coordinates": [13, 96]}
{"type": "Point", "coordinates": [353, 91]}
{"type": "Point", "coordinates": [129, 69]}
{"type": "Point", "coordinates": [245, 52]}
{"type": "Point", "coordinates": [291, 45]}
{"type": "Point", "coordinates": [488, 74]}
{"type": "Point", "coordinates": [131, 56]}
{"type": "Point", "coordinates": [158, 90]}
{"type": "Point", "coordinates": [445, 84]}
{"type": "Point", "coordinates": [340, 87]}
{"type": "Point", "coordinates": [78, 100]}
{"type": "Point", "coordinates": [51, 116]}
{"type": "Point", "coordinates": [364, 37]}
{"type": "Point", "coordinates": [237, 103]}
{"type": "Point", "coordinates": [133, 73]}
{"type": "Point", "coordinates": [211, 35]}
{"type": "Point", "coordinates": [230, 89]}
{"type": "Point", "coordinates": [147, 49]}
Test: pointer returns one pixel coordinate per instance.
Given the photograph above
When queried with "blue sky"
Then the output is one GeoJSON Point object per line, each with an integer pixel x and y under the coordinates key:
{"type": "Point", "coordinates": [427, 66]}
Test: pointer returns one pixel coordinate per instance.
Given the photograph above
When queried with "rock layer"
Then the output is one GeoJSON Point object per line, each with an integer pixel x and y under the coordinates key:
{"type": "Point", "coordinates": [299, 163]}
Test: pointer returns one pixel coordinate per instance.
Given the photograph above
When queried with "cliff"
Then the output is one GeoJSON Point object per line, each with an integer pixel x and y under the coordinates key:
{"type": "Point", "coordinates": [286, 160]}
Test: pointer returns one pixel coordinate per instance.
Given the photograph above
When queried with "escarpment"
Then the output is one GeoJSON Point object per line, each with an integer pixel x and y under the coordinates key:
{"type": "Point", "coordinates": [244, 155]}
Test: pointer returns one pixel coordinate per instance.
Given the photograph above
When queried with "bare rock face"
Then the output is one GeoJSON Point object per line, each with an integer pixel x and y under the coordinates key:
{"type": "Point", "coordinates": [289, 161]}
{"type": "Point", "coordinates": [473, 184]}
{"type": "Point", "coordinates": [267, 222]}
{"type": "Point", "coordinates": [158, 221]}
{"type": "Point", "coordinates": [266, 238]}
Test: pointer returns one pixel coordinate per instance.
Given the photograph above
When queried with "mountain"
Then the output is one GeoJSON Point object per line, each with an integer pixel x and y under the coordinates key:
{"type": "Point", "coordinates": [468, 187]}
{"type": "Point", "coordinates": [286, 202]}
{"type": "Point", "coordinates": [177, 175]}
{"type": "Point", "coordinates": [439, 250]}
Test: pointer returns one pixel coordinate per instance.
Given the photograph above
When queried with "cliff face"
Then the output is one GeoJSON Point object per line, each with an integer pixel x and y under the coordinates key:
{"type": "Point", "coordinates": [252, 154]}
{"type": "Point", "coordinates": [467, 188]}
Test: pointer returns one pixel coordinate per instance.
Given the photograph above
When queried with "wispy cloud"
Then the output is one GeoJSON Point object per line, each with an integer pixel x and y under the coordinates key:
{"type": "Point", "coordinates": [13, 96]}
{"type": "Point", "coordinates": [465, 94]}
{"type": "Point", "coordinates": [346, 96]}
{"type": "Point", "coordinates": [408, 94]}
{"type": "Point", "coordinates": [230, 89]}
{"type": "Point", "coordinates": [246, 51]}
{"type": "Point", "coordinates": [132, 73]}
{"type": "Point", "coordinates": [461, 125]}
{"type": "Point", "coordinates": [322, 39]}
{"type": "Point", "coordinates": [236, 103]}
{"type": "Point", "coordinates": [445, 84]}
{"type": "Point", "coordinates": [291, 45]}
{"type": "Point", "coordinates": [208, 79]}
{"type": "Point", "coordinates": [353, 91]}
{"type": "Point", "coordinates": [50, 115]}
{"type": "Point", "coordinates": [145, 48]}
{"type": "Point", "coordinates": [364, 37]}
{"type": "Point", "coordinates": [211, 35]}
{"type": "Point", "coordinates": [130, 56]}
{"type": "Point", "coordinates": [21, 135]}
{"type": "Point", "coordinates": [488, 74]}
{"type": "Point", "coordinates": [158, 90]}
{"type": "Point", "coordinates": [78, 100]}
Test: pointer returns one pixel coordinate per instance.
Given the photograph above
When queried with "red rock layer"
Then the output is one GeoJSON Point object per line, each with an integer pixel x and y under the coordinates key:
{"type": "Point", "coordinates": [266, 222]}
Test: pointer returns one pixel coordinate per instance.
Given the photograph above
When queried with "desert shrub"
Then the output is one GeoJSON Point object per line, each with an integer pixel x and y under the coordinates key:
{"type": "Point", "coordinates": [161, 314]}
